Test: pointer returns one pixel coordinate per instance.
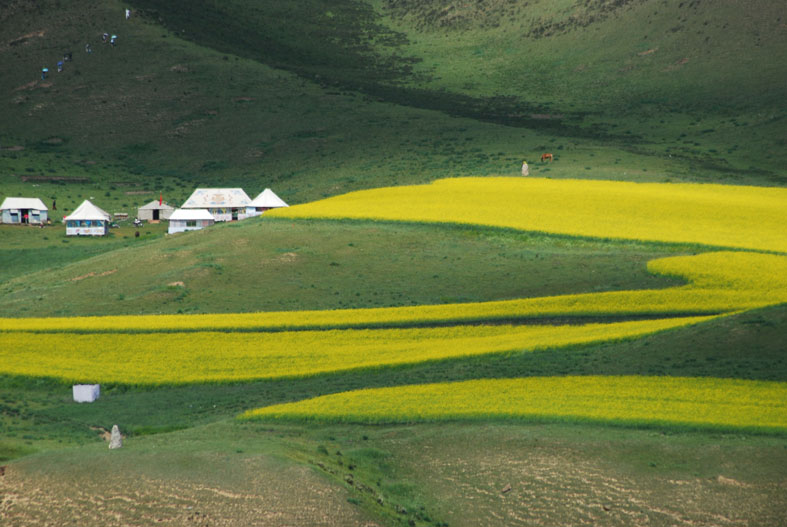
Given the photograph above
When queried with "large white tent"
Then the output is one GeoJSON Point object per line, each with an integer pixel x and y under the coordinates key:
{"type": "Point", "coordinates": [225, 204]}
{"type": "Point", "coordinates": [23, 210]}
{"type": "Point", "coordinates": [189, 220]}
{"type": "Point", "coordinates": [265, 201]}
{"type": "Point", "coordinates": [87, 220]}
{"type": "Point", "coordinates": [155, 210]}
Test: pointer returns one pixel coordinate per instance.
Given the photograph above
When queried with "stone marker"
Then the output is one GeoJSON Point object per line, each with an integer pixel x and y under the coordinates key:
{"type": "Point", "coordinates": [115, 440]}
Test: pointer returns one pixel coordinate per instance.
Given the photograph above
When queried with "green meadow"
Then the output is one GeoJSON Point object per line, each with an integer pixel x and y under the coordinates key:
{"type": "Point", "coordinates": [318, 98]}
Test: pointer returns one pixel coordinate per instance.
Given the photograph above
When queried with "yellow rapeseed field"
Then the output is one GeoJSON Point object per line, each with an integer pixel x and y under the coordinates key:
{"type": "Point", "coordinates": [176, 358]}
{"type": "Point", "coordinates": [694, 402]}
{"type": "Point", "coordinates": [718, 215]}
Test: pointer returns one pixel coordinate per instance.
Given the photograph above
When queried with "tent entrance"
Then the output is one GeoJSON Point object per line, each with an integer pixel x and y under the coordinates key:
{"type": "Point", "coordinates": [24, 215]}
{"type": "Point", "coordinates": [155, 214]}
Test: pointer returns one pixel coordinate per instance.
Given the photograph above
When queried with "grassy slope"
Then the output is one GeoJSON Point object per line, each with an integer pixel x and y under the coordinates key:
{"type": "Point", "coordinates": [317, 265]}
{"type": "Point", "coordinates": [672, 78]}
{"type": "Point", "coordinates": [156, 112]}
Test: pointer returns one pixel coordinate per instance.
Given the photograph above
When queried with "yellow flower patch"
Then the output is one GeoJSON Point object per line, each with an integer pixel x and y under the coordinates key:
{"type": "Point", "coordinates": [693, 402]}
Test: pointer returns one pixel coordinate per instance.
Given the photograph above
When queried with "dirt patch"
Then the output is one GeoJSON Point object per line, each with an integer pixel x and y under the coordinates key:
{"type": "Point", "coordinates": [184, 128]}
{"type": "Point", "coordinates": [29, 86]}
{"type": "Point", "coordinates": [91, 274]}
{"type": "Point", "coordinates": [123, 488]}
{"type": "Point", "coordinates": [179, 68]}
{"type": "Point", "coordinates": [678, 64]}
{"type": "Point", "coordinates": [15, 148]}
{"type": "Point", "coordinates": [55, 179]}
{"type": "Point", "coordinates": [554, 481]}
{"type": "Point", "coordinates": [176, 284]}
{"type": "Point", "coordinates": [243, 99]}
{"type": "Point", "coordinates": [102, 432]}
{"type": "Point", "coordinates": [733, 482]}
{"type": "Point", "coordinates": [648, 52]}
{"type": "Point", "coordinates": [546, 116]}
{"type": "Point", "coordinates": [26, 38]}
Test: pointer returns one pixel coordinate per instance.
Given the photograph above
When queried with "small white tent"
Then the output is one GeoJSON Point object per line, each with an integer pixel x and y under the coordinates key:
{"type": "Point", "coordinates": [225, 204]}
{"type": "Point", "coordinates": [189, 220]}
{"type": "Point", "coordinates": [86, 393]}
{"type": "Point", "coordinates": [87, 220]}
{"type": "Point", "coordinates": [23, 210]}
{"type": "Point", "coordinates": [155, 211]}
{"type": "Point", "coordinates": [265, 201]}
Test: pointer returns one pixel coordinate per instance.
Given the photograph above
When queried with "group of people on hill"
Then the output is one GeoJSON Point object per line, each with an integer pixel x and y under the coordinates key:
{"type": "Point", "coordinates": [105, 37]}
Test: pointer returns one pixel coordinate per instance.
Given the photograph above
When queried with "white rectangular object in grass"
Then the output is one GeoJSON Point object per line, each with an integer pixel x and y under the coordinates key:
{"type": "Point", "coordinates": [86, 393]}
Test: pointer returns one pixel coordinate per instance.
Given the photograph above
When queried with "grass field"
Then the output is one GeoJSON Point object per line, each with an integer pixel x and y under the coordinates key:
{"type": "Point", "coordinates": [647, 259]}
{"type": "Point", "coordinates": [309, 264]}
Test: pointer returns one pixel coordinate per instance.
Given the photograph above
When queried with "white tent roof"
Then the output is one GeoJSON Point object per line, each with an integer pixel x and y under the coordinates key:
{"type": "Point", "coordinates": [153, 205]}
{"type": "Point", "coordinates": [269, 199]}
{"type": "Point", "coordinates": [23, 203]}
{"type": "Point", "coordinates": [204, 198]}
{"type": "Point", "coordinates": [88, 211]}
{"type": "Point", "coordinates": [191, 214]}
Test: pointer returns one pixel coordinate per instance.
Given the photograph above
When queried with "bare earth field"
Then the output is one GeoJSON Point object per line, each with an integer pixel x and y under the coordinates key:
{"type": "Point", "coordinates": [115, 490]}
{"type": "Point", "coordinates": [533, 475]}
{"type": "Point", "coordinates": [449, 474]}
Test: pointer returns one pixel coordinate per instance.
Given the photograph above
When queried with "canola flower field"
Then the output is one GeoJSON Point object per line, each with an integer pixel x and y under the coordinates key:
{"type": "Point", "coordinates": [173, 358]}
{"type": "Point", "coordinates": [689, 402]}
{"type": "Point", "coordinates": [746, 267]}
{"type": "Point", "coordinates": [715, 215]}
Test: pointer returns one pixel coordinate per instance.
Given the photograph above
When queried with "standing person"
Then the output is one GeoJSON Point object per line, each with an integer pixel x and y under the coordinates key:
{"type": "Point", "coordinates": [44, 71]}
{"type": "Point", "coordinates": [104, 37]}
{"type": "Point", "coordinates": [525, 168]}
{"type": "Point", "coordinates": [128, 14]}
{"type": "Point", "coordinates": [88, 48]}
{"type": "Point", "coordinates": [59, 66]}
{"type": "Point", "coordinates": [113, 40]}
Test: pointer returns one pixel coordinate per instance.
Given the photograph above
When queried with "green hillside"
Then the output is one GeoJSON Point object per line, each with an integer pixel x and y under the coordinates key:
{"type": "Point", "coordinates": [270, 265]}
{"type": "Point", "coordinates": [317, 98]}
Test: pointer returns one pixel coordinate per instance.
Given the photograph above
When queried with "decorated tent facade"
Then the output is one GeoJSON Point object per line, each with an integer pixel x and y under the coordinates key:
{"type": "Point", "coordinates": [155, 210]}
{"type": "Point", "coordinates": [20, 211]}
{"type": "Point", "coordinates": [224, 204]}
{"type": "Point", "coordinates": [183, 220]}
{"type": "Point", "coordinates": [265, 201]}
{"type": "Point", "coordinates": [87, 220]}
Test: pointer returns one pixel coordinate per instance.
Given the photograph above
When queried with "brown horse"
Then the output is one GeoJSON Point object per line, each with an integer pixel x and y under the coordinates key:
{"type": "Point", "coordinates": [544, 157]}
